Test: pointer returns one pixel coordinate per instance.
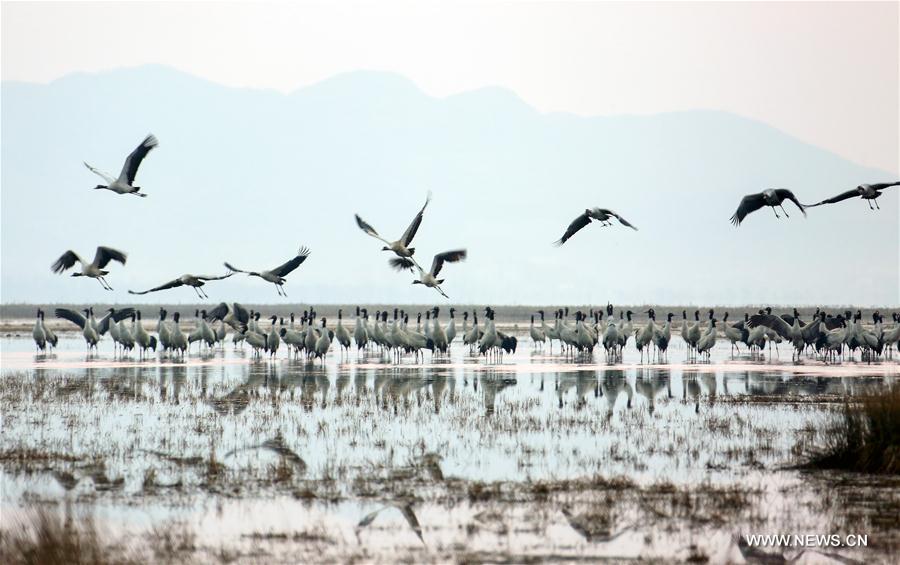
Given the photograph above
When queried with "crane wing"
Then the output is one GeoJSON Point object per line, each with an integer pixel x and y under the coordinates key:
{"type": "Point", "coordinates": [133, 161]}
{"type": "Point", "coordinates": [839, 198]}
{"type": "Point", "coordinates": [775, 323]}
{"type": "Point", "coordinates": [171, 284]}
{"type": "Point", "coordinates": [105, 176]}
{"type": "Point", "coordinates": [447, 256]}
{"type": "Point", "coordinates": [71, 315]}
{"type": "Point", "coordinates": [106, 254]}
{"type": "Point", "coordinates": [66, 261]}
{"type": "Point", "coordinates": [285, 268]}
{"type": "Point", "coordinates": [749, 203]}
{"type": "Point", "coordinates": [410, 232]}
{"type": "Point", "coordinates": [785, 194]}
{"type": "Point", "coordinates": [573, 228]}
{"type": "Point", "coordinates": [364, 226]}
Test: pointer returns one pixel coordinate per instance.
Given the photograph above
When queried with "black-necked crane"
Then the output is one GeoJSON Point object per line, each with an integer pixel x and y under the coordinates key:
{"type": "Point", "coordinates": [662, 337]}
{"type": "Point", "coordinates": [277, 275]}
{"type": "Point", "coordinates": [611, 338]}
{"type": "Point", "coordinates": [194, 281]}
{"type": "Point", "coordinates": [778, 324]}
{"type": "Point", "coordinates": [162, 330]}
{"type": "Point", "coordinates": [272, 338]}
{"type": "Point", "coordinates": [708, 339]}
{"type": "Point", "coordinates": [400, 247]}
{"type": "Point", "coordinates": [126, 338]}
{"type": "Point", "coordinates": [341, 333]}
{"type": "Point", "coordinates": [537, 336]}
{"type": "Point", "coordinates": [91, 333]}
{"type": "Point", "coordinates": [643, 337]}
{"type": "Point", "coordinates": [323, 343]}
{"type": "Point", "coordinates": [438, 334]}
{"type": "Point", "coordinates": [360, 331]}
{"type": "Point", "coordinates": [125, 183]}
{"type": "Point", "coordinates": [734, 334]}
{"type": "Point", "coordinates": [256, 340]}
{"type": "Point", "coordinates": [602, 215]}
{"type": "Point", "coordinates": [38, 332]}
{"type": "Point", "coordinates": [235, 316]}
{"type": "Point", "coordinates": [143, 340]}
{"type": "Point", "coordinates": [178, 337]}
{"type": "Point", "coordinates": [773, 197]}
{"type": "Point", "coordinates": [94, 269]}
{"type": "Point", "coordinates": [867, 192]}
{"type": "Point", "coordinates": [51, 337]}
{"type": "Point", "coordinates": [293, 338]}
{"type": "Point", "coordinates": [451, 327]}
{"type": "Point", "coordinates": [429, 278]}
{"type": "Point", "coordinates": [892, 336]}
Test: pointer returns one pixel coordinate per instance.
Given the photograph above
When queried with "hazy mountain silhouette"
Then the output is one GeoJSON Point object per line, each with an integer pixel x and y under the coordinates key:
{"type": "Point", "coordinates": [249, 175]}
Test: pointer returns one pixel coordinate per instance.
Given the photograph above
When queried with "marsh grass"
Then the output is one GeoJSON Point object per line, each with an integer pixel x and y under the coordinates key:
{"type": "Point", "coordinates": [866, 438]}
{"type": "Point", "coordinates": [46, 539]}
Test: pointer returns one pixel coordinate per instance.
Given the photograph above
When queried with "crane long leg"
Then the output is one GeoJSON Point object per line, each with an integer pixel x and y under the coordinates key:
{"type": "Point", "coordinates": [876, 203]}
{"type": "Point", "coordinates": [783, 210]}
{"type": "Point", "coordinates": [775, 211]}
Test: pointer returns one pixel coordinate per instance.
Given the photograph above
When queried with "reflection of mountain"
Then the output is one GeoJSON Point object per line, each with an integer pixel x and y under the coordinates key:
{"type": "Point", "coordinates": [497, 168]}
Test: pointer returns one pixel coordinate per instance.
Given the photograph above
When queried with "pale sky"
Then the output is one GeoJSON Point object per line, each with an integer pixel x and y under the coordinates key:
{"type": "Point", "coordinates": [824, 73]}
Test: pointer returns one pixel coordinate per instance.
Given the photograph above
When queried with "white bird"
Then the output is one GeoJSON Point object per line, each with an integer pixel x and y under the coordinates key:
{"type": "Point", "coordinates": [195, 281]}
{"type": "Point", "coordinates": [400, 247]}
{"type": "Point", "coordinates": [602, 215]}
{"type": "Point", "coordinates": [276, 275]}
{"type": "Point", "coordinates": [429, 278]}
{"type": "Point", "coordinates": [94, 269]}
{"type": "Point", "coordinates": [125, 183]}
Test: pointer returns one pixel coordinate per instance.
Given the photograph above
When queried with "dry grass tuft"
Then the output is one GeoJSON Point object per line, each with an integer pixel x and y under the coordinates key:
{"type": "Point", "coordinates": [45, 539]}
{"type": "Point", "coordinates": [866, 439]}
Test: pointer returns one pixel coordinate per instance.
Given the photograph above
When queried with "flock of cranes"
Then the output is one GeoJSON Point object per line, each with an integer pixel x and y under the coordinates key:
{"type": "Point", "coordinates": [405, 258]}
{"type": "Point", "coordinates": [390, 332]}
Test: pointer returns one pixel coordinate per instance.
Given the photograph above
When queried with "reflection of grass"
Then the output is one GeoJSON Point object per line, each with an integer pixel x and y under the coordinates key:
{"type": "Point", "coordinates": [46, 539]}
{"type": "Point", "coordinates": [867, 438]}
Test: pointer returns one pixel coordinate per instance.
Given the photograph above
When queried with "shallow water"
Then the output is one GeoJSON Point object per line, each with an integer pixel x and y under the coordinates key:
{"type": "Point", "coordinates": [239, 448]}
